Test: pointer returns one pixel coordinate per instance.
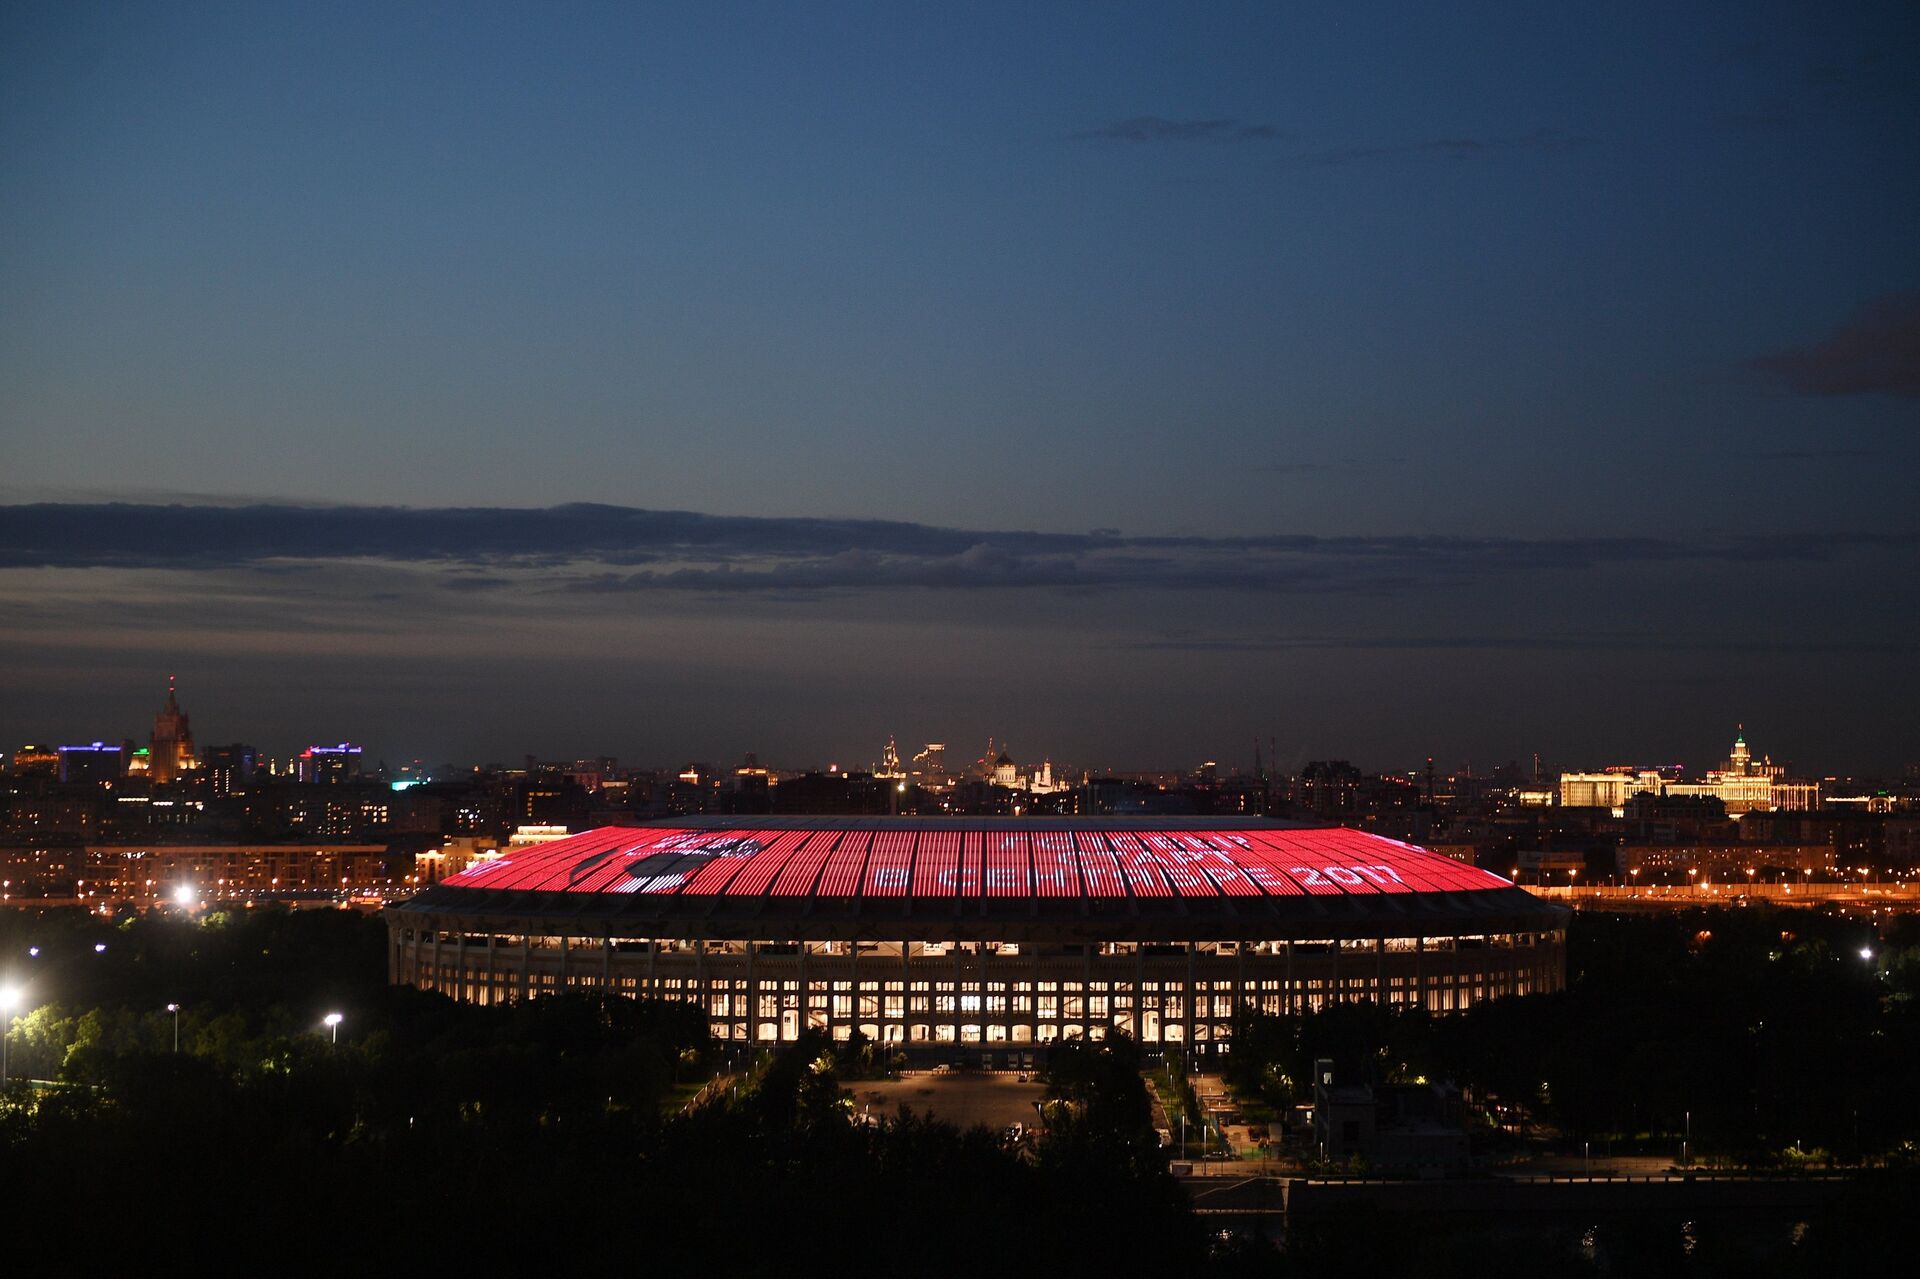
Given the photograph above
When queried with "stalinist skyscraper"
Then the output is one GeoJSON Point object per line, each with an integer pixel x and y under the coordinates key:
{"type": "Point", "coordinates": [172, 743]}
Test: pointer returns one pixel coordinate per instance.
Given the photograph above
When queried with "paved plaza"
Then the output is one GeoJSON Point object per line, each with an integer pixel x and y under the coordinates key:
{"type": "Point", "coordinates": [964, 1098]}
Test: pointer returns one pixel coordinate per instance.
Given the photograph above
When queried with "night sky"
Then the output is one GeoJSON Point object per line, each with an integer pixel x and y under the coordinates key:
{"type": "Point", "coordinates": [1126, 382]}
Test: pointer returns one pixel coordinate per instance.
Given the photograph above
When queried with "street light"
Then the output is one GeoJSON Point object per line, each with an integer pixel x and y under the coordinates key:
{"type": "Point", "coordinates": [183, 896]}
{"type": "Point", "coordinates": [332, 1022]}
{"type": "Point", "coordinates": [175, 1010]}
{"type": "Point", "coordinates": [9, 1000]}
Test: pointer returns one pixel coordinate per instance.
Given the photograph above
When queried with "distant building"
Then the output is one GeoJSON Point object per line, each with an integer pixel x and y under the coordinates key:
{"type": "Point", "coordinates": [36, 761]}
{"type": "Point", "coordinates": [1327, 788]}
{"type": "Point", "coordinates": [932, 770]}
{"type": "Point", "coordinates": [327, 765]}
{"type": "Point", "coordinates": [1606, 790]}
{"type": "Point", "coordinates": [224, 872]}
{"type": "Point", "coordinates": [1741, 784]}
{"type": "Point", "coordinates": [95, 763]}
{"type": "Point", "coordinates": [229, 768]}
{"type": "Point", "coordinates": [172, 741]}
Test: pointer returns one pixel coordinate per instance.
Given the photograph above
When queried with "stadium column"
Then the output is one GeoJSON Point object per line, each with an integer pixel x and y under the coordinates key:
{"type": "Point", "coordinates": [433, 960]}
{"type": "Point", "coordinates": [1239, 977]}
{"type": "Point", "coordinates": [1086, 993]}
{"type": "Point", "coordinates": [526, 959]}
{"type": "Point", "coordinates": [700, 976]}
{"type": "Point", "coordinates": [753, 992]}
{"type": "Point", "coordinates": [1420, 971]}
{"type": "Point", "coordinates": [1139, 994]}
{"type": "Point", "coordinates": [1187, 1004]}
{"type": "Point", "coordinates": [1287, 1001]}
{"type": "Point", "coordinates": [959, 980]}
{"type": "Point", "coordinates": [1380, 971]}
{"type": "Point", "coordinates": [460, 965]}
{"type": "Point", "coordinates": [566, 944]}
{"type": "Point", "coordinates": [1457, 1003]}
{"type": "Point", "coordinates": [606, 961]}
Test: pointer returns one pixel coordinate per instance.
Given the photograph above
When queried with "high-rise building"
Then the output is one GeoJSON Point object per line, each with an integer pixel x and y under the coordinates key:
{"type": "Point", "coordinates": [172, 742]}
{"type": "Point", "coordinates": [319, 765]}
{"type": "Point", "coordinates": [36, 761]}
{"type": "Point", "coordinates": [1327, 787]}
{"type": "Point", "coordinates": [96, 762]}
{"type": "Point", "coordinates": [230, 767]}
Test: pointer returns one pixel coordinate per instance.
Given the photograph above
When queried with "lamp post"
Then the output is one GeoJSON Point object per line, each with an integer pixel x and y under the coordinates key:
{"type": "Point", "coordinates": [175, 1010]}
{"type": "Point", "coordinates": [9, 1000]}
{"type": "Point", "coordinates": [332, 1022]}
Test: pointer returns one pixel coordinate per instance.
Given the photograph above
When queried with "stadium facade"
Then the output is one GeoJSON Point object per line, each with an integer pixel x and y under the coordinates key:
{"type": "Point", "coordinates": [995, 935]}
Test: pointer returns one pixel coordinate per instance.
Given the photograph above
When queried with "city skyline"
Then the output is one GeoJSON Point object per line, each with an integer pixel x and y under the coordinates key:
{"type": "Point", "coordinates": [171, 738]}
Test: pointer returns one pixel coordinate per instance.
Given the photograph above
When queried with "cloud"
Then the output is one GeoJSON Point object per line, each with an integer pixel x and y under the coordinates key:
{"type": "Point", "coordinates": [1153, 128]}
{"type": "Point", "coordinates": [602, 550]}
{"type": "Point", "coordinates": [1876, 352]}
{"type": "Point", "coordinates": [1652, 643]}
{"type": "Point", "coordinates": [1544, 141]}
{"type": "Point", "coordinates": [1819, 455]}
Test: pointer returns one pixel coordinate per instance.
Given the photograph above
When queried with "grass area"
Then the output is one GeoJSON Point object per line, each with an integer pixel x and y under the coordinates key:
{"type": "Point", "coordinates": [678, 1095]}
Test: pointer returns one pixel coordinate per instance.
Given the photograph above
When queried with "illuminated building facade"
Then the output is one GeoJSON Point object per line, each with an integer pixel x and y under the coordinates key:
{"type": "Point", "coordinates": [36, 761]}
{"type": "Point", "coordinates": [1742, 784]}
{"type": "Point", "coordinates": [985, 934]}
{"type": "Point", "coordinates": [322, 765]}
{"type": "Point", "coordinates": [172, 743]}
{"type": "Point", "coordinates": [96, 762]}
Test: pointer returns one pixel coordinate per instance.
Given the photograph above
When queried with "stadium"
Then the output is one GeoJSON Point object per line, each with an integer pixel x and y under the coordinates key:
{"type": "Point", "coordinates": [983, 938]}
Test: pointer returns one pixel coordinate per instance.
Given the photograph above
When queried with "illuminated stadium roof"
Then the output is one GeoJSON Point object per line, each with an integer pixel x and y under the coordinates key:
{"type": "Point", "coordinates": [991, 877]}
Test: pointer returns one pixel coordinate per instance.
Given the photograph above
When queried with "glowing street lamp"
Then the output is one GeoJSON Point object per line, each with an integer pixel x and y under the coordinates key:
{"type": "Point", "coordinates": [332, 1022]}
{"type": "Point", "coordinates": [10, 996]}
{"type": "Point", "coordinates": [183, 896]}
{"type": "Point", "coordinates": [175, 1010]}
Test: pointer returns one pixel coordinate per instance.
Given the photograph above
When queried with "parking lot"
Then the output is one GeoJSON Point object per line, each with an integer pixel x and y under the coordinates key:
{"type": "Point", "coordinates": [964, 1098]}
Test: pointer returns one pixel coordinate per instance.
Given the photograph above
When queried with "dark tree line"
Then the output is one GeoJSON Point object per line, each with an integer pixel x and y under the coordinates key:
{"type": "Point", "coordinates": [440, 1134]}
{"type": "Point", "coordinates": [1770, 1028]}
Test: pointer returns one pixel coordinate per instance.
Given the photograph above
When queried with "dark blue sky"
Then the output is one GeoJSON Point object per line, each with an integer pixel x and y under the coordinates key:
{"type": "Point", "coordinates": [1636, 277]}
